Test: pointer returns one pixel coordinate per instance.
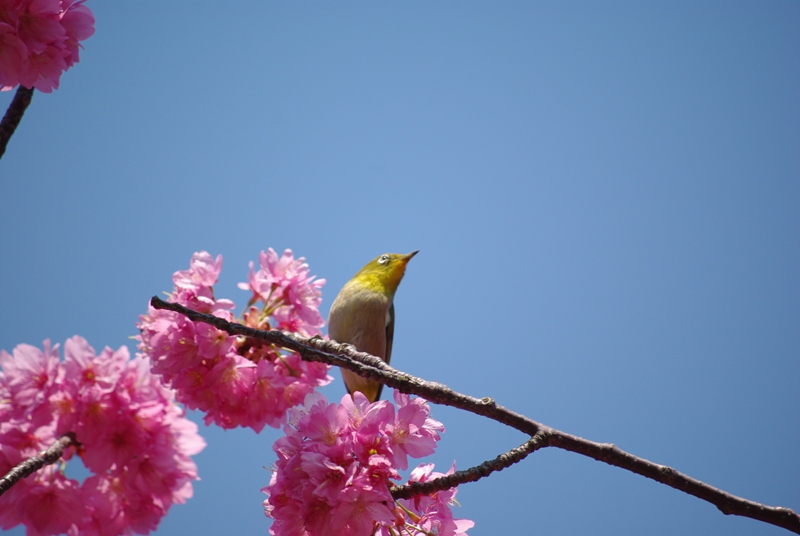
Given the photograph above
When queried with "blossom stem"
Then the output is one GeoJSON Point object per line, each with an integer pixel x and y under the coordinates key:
{"type": "Point", "coordinates": [292, 372]}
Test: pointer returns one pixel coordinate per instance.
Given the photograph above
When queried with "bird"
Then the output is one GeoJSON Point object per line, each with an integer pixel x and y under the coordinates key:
{"type": "Point", "coordinates": [363, 315]}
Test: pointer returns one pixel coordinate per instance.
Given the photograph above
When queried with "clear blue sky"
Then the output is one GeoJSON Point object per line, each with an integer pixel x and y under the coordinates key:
{"type": "Point", "coordinates": [606, 197]}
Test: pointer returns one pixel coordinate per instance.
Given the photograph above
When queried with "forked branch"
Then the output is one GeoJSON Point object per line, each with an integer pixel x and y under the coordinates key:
{"type": "Point", "coordinates": [346, 356]}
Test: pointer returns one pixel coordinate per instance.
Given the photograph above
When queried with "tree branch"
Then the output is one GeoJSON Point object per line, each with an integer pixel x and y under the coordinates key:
{"type": "Point", "coordinates": [14, 115]}
{"type": "Point", "coordinates": [472, 474]}
{"type": "Point", "coordinates": [368, 366]}
{"type": "Point", "coordinates": [34, 463]}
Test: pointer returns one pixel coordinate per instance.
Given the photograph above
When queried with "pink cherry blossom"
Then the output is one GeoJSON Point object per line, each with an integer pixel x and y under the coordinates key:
{"type": "Point", "coordinates": [39, 24]}
{"type": "Point", "coordinates": [78, 21]}
{"type": "Point", "coordinates": [414, 434]}
{"type": "Point", "coordinates": [29, 375]}
{"type": "Point", "coordinates": [235, 381]}
{"type": "Point", "coordinates": [132, 436]}
{"type": "Point", "coordinates": [431, 513]}
{"type": "Point", "coordinates": [360, 507]}
{"type": "Point", "coordinates": [336, 464]}
{"type": "Point", "coordinates": [290, 294]}
{"type": "Point", "coordinates": [86, 369]}
{"type": "Point", "coordinates": [54, 508]}
{"type": "Point", "coordinates": [39, 40]}
{"type": "Point", "coordinates": [13, 55]}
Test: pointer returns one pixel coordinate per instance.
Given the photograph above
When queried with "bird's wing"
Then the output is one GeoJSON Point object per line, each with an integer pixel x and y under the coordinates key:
{"type": "Point", "coordinates": [389, 333]}
{"type": "Point", "coordinates": [389, 337]}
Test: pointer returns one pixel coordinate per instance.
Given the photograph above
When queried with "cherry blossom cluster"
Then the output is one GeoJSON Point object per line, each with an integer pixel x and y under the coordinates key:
{"type": "Point", "coordinates": [430, 514]}
{"type": "Point", "coordinates": [336, 464]}
{"type": "Point", "coordinates": [39, 40]}
{"type": "Point", "coordinates": [233, 380]}
{"type": "Point", "coordinates": [132, 436]}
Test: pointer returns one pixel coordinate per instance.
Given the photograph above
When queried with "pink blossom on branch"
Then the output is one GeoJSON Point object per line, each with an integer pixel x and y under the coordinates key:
{"type": "Point", "coordinates": [13, 55]}
{"type": "Point", "coordinates": [133, 437]}
{"type": "Point", "coordinates": [235, 381]}
{"type": "Point", "coordinates": [336, 464]}
{"type": "Point", "coordinates": [431, 513]}
{"type": "Point", "coordinates": [290, 294]}
{"type": "Point", "coordinates": [39, 40]}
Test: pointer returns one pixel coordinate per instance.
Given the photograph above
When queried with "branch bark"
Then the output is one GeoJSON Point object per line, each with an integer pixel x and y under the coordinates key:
{"type": "Point", "coordinates": [472, 474]}
{"type": "Point", "coordinates": [368, 366]}
{"type": "Point", "coordinates": [33, 464]}
{"type": "Point", "coordinates": [13, 116]}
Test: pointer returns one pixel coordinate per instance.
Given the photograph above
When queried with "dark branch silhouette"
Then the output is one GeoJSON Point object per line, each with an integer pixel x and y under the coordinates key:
{"type": "Point", "coordinates": [346, 356]}
{"type": "Point", "coordinates": [13, 116]}
{"type": "Point", "coordinates": [473, 473]}
{"type": "Point", "coordinates": [33, 464]}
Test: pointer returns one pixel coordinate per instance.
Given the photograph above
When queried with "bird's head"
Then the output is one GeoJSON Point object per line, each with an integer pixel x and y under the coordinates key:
{"type": "Point", "coordinates": [385, 271]}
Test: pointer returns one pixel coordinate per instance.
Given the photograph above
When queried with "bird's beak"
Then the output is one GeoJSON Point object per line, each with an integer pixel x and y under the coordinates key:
{"type": "Point", "coordinates": [408, 257]}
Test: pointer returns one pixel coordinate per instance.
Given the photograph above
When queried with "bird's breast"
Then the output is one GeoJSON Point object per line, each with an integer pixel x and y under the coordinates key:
{"type": "Point", "coordinates": [359, 318]}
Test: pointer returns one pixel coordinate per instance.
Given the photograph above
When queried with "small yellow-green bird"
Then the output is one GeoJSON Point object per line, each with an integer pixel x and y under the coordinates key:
{"type": "Point", "coordinates": [363, 315]}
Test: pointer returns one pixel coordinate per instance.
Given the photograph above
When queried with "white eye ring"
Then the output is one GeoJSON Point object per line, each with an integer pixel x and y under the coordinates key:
{"type": "Point", "coordinates": [384, 259]}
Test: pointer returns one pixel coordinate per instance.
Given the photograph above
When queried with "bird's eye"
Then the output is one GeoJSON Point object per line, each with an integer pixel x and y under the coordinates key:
{"type": "Point", "coordinates": [383, 259]}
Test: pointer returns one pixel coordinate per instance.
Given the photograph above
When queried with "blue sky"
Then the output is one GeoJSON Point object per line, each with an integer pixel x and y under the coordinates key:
{"type": "Point", "coordinates": [606, 197]}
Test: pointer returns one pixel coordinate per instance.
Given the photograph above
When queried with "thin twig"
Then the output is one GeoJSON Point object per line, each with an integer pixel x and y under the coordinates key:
{"type": "Point", "coordinates": [13, 116]}
{"type": "Point", "coordinates": [34, 463]}
{"type": "Point", "coordinates": [472, 474]}
{"type": "Point", "coordinates": [368, 366]}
